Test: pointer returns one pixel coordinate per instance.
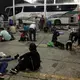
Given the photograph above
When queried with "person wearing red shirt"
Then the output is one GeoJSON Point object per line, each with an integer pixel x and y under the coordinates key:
{"type": "Point", "coordinates": [23, 36]}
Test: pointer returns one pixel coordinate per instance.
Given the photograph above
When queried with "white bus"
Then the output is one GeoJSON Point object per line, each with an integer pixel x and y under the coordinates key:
{"type": "Point", "coordinates": [53, 11]}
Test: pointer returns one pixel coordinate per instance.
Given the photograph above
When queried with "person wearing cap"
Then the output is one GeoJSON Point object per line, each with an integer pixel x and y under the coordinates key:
{"type": "Point", "coordinates": [32, 32]}
{"type": "Point", "coordinates": [30, 60]}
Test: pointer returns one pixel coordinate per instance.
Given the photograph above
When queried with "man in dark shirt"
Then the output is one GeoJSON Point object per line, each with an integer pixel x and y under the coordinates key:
{"type": "Point", "coordinates": [30, 60]}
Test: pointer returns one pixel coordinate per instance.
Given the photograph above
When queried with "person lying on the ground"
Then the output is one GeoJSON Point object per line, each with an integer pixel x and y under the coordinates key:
{"type": "Point", "coordinates": [4, 35]}
{"type": "Point", "coordinates": [30, 60]}
{"type": "Point", "coordinates": [3, 67]}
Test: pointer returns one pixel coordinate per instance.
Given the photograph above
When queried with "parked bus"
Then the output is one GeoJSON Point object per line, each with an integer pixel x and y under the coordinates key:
{"type": "Point", "coordinates": [53, 11]}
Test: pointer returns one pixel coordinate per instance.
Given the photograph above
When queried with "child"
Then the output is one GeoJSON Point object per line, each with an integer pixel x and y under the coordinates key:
{"type": "Point", "coordinates": [23, 36]}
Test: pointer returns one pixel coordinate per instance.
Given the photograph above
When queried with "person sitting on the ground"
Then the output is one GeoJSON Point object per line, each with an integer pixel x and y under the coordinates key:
{"type": "Point", "coordinates": [55, 35]}
{"type": "Point", "coordinates": [73, 36]}
{"type": "Point", "coordinates": [23, 36]}
{"type": "Point", "coordinates": [4, 35]}
{"type": "Point", "coordinates": [69, 45]}
{"type": "Point", "coordinates": [12, 36]}
{"type": "Point", "coordinates": [30, 60]}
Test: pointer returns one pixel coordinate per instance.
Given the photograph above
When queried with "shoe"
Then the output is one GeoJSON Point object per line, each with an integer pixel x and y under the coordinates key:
{"type": "Point", "coordinates": [16, 57]}
{"type": "Point", "coordinates": [19, 40]}
{"type": "Point", "coordinates": [13, 71]}
{"type": "Point", "coordinates": [1, 74]}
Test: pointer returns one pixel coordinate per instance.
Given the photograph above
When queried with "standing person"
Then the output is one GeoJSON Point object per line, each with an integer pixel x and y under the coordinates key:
{"type": "Point", "coordinates": [10, 22]}
{"type": "Point", "coordinates": [26, 29]}
{"type": "Point", "coordinates": [42, 21]}
{"type": "Point", "coordinates": [2, 20]}
{"type": "Point", "coordinates": [37, 23]}
{"type": "Point", "coordinates": [32, 32]}
{"type": "Point", "coordinates": [30, 60]}
{"type": "Point", "coordinates": [49, 24]}
{"type": "Point", "coordinates": [20, 22]}
{"type": "Point", "coordinates": [17, 24]}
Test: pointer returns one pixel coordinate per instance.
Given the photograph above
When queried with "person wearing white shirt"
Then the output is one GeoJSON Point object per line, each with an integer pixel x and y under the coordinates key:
{"type": "Point", "coordinates": [5, 35]}
{"type": "Point", "coordinates": [32, 31]}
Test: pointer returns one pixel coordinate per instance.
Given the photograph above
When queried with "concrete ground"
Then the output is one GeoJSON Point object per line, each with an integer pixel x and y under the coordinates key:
{"type": "Point", "coordinates": [56, 64]}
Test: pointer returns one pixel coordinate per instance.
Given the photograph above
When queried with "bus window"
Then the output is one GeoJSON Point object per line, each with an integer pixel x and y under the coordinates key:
{"type": "Point", "coordinates": [18, 10]}
{"type": "Point", "coordinates": [11, 12]}
{"type": "Point", "coordinates": [68, 7]}
{"type": "Point", "coordinates": [7, 11]}
{"type": "Point", "coordinates": [64, 1]}
{"type": "Point", "coordinates": [51, 8]}
{"type": "Point", "coordinates": [33, 9]}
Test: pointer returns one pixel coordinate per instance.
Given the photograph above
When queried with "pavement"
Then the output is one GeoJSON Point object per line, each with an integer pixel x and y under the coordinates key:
{"type": "Point", "coordinates": [56, 64]}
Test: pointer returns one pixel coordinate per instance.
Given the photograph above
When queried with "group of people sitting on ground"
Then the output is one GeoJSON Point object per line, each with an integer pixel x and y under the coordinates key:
{"type": "Point", "coordinates": [54, 39]}
{"type": "Point", "coordinates": [73, 37]}
{"type": "Point", "coordinates": [28, 33]}
{"type": "Point", "coordinates": [28, 61]}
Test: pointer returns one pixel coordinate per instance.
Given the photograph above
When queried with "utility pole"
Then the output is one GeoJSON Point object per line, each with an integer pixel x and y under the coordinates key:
{"type": "Point", "coordinates": [79, 26]}
{"type": "Point", "coordinates": [14, 11]}
{"type": "Point", "coordinates": [45, 12]}
{"type": "Point", "coordinates": [45, 8]}
{"type": "Point", "coordinates": [54, 1]}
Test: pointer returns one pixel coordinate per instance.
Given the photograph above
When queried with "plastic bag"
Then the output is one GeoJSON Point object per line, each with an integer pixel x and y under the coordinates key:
{"type": "Point", "coordinates": [50, 44]}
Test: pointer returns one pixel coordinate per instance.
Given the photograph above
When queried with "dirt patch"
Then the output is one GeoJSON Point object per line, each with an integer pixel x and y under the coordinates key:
{"type": "Point", "coordinates": [54, 65]}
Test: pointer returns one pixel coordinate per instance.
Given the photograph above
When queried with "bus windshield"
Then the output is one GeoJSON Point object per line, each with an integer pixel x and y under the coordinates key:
{"type": "Point", "coordinates": [9, 11]}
